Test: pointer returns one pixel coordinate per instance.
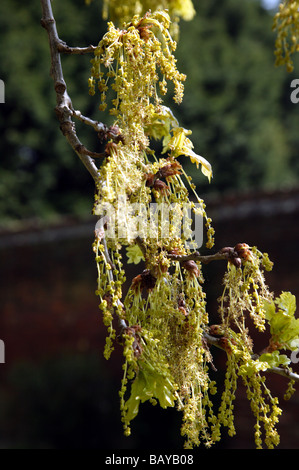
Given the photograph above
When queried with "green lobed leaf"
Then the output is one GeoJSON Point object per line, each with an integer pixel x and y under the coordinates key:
{"type": "Point", "coordinates": [134, 254]}
{"type": "Point", "coordinates": [286, 302]}
{"type": "Point", "coordinates": [284, 327]}
{"type": "Point", "coordinates": [275, 359]}
{"type": "Point", "coordinates": [253, 367]}
{"type": "Point", "coordinates": [149, 384]}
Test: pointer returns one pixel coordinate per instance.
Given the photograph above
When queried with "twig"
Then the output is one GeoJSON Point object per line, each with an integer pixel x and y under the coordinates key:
{"type": "Point", "coordinates": [196, 256]}
{"type": "Point", "coordinates": [284, 372]}
{"type": "Point", "coordinates": [97, 126]}
{"type": "Point", "coordinates": [64, 108]}
{"type": "Point", "coordinates": [65, 49]}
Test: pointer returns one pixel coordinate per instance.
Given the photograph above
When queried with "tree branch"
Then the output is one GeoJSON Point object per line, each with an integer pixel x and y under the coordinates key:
{"type": "Point", "coordinates": [64, 108]}
{"type": "Point", "coordinates": [196, 256]}
{"type": "Point", "coordinates": [228, 253]}
{"type": "Point", "coordinates": [65, 49]}
{"type": "Point", "coordinates": [97, 126]}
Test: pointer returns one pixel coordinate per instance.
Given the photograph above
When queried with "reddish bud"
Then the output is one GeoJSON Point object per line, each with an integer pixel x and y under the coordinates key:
{"type": "Point", "coordinates": [170, 169]}
{"type": "Point", "coordinates": [161, 186]}
{"type": "Point", "coordinates": [216, 330]}
{"type": "Point", "coordinates": [236, 261]}
{"type": "Point", "coordinates": [191, 267]}
{"type": "Point", "coordinates": [243, 250]}
{"type": "Point", "coordinates": [150, 179]}
{"type": "Point", "coordinates": [110, 148]}
{"type": "Point", "coordinates": [226, 345]}
{"type": "Point", "coordinates": [144, 280]}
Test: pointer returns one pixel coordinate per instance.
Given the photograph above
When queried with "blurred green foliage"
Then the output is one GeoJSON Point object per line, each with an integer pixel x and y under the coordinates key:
{"type": "Point", "coordinates": [236, 103]}
{"type": "Point", "coordinates": [40, 174]}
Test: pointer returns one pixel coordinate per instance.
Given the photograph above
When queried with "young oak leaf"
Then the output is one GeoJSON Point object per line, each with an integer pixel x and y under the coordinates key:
{"type": "Point", "coordinates": [149, 384]}
{"type": "Point", "coordinates": [275, 359]}
{"type": "Point", "coordinates": [179, 144]}
{"type": "Point", "coordinates": [252, 367]}
{"type": "Point", "coordinates": [161, 123]}
{"type": "Point", "coordinates": [198, 160]}
{"type": "Point", "coordinates": [134, 254]}
{"type": "Point", "coordinates": [280, 314]}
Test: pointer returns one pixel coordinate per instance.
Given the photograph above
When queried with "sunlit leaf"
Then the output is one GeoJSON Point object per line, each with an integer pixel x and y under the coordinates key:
{"type": "Point", "coordinates": [134, 254]}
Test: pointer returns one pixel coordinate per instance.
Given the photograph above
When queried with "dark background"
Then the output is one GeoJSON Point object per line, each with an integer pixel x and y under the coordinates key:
{"type": "Point", "coordinates": [57, 390]}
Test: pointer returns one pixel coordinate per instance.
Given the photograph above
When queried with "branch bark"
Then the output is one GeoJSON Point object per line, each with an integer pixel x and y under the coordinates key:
{"type": "Point", "coordinates": [97, 126]}
{"type": "Point", "coordinates": [64, 109]}
{"type": "Point", "coordinates": [65, 49]}
{"type": "Point", "coordinates": [196, 256]}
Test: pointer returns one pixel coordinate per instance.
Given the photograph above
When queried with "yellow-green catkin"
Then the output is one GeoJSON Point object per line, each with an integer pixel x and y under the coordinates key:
{"type": "Point", "coordinates": [286, 23]}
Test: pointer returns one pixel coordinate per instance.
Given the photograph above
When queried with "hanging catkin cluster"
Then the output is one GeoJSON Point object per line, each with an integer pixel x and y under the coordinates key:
{"type": "Point", "coordinates": [163, 314]}
{"type": "Point", "coordinates": [122, 12]}
{"type": "Point", "coordinates": [286, 23]}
